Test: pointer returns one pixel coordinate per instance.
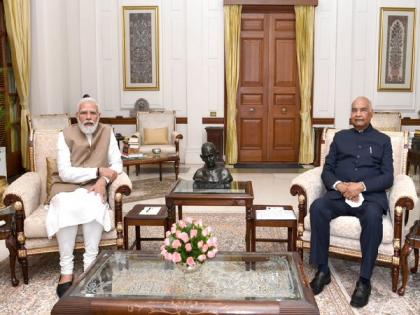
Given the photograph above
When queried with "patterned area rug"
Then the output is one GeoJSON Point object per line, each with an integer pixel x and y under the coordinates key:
{"type": "Point", "coordinates": [151, 188]}
{"type": "Point", "coordinates": [39, 296]}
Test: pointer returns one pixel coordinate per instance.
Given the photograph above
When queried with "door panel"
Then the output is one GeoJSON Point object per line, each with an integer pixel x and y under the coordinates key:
{"type": "Point", "coordinates": [252, 94]}
{"type": "Point", "coordinates": [268, 100]}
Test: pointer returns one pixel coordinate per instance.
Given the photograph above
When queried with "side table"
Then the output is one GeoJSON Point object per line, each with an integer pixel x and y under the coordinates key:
{"type": "Point", "coordinates": [135, 218]}
{"type": "Point", "coordinates": [412, 240]}
{"type": "Point", "coordinates": [290, 223]}
{"type": "Point", "coordinates": [7, 232]}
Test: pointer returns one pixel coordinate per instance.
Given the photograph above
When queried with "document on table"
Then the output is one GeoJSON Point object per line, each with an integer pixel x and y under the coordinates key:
{"type": "Point", "coordinates": [275, 213]}
{"type": "Point", "coordinates": [150, 211]}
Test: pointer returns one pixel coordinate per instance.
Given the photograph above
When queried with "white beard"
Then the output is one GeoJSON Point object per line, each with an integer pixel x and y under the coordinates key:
{"type": "Point", "coordinates": [87, 130]}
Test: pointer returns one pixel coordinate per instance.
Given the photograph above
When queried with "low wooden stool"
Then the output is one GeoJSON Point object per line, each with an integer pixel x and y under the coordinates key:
{"type": "Point", "coordinates": [412, 240]}
{"type": "Point", "coordinates": [290, 223]}
{"type": "Point", "coordinates": [137, 219]}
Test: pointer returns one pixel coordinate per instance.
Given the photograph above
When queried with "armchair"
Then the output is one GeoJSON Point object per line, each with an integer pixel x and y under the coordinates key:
{"type": "Point", "coordinates": [28, 194]}
{"type": "Point", "coordinates": [386, 121]}
{"type": "Point", "coordinates": [157, 129]}
{"type": "Point", "coordinates": [345, 230]}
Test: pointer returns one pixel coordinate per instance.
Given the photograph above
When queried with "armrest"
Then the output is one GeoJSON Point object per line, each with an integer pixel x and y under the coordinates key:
{"type": "Point", "coordinates": [26, 189]}
{"type": "Point", "coordinates": [121, 184]}
{"type": "Point", "coordinates": [402, 193]}
{"type": "Point", "coordinates": [176, 136]}
{"type": "Point", "coordinates": [310, 183]}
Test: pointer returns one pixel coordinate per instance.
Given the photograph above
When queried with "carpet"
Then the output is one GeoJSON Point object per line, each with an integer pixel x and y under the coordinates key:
{"type": "Point", "coordinates": [39, 296]}
{"type": "Point", "coordinates": [151, 188]}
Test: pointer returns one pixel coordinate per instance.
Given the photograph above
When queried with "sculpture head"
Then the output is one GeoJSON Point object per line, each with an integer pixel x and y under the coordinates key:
{"type": "Point", "coordinates": [209, 154]}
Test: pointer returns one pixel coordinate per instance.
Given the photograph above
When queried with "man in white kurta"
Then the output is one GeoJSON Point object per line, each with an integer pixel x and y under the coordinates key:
{"type": "Point", "coordinates": [88, 159]}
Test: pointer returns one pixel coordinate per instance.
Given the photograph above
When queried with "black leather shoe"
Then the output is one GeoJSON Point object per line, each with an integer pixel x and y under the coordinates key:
{"type": "Point", "coordinates": [319, 281]}
{"type": "Point", "coordinates": [360, 295]}
{"type": "Point", "coordinates": [63, 287]}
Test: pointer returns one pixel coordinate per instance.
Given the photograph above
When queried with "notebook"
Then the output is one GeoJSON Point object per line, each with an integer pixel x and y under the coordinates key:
{"type": "Point", "coordinates": [275, 213]}
{"type": "Point", "coordinates": [150, 211]}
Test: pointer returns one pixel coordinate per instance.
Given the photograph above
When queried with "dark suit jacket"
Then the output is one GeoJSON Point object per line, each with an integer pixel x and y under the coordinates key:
{"type": "Point", "coordinates": [360, 157]}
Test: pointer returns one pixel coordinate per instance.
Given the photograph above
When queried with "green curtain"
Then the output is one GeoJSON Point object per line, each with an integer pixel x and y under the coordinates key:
{"type": "Point", "coordinates": [232, 62]}
{"type": "Point", "coordinates": [305, 16]}
{"type": "Point", "coordinates": [17, 16]}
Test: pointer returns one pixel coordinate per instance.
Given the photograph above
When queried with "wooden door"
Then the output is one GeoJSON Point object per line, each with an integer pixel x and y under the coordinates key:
{"type": "Point", "coordinates": [268, 94]}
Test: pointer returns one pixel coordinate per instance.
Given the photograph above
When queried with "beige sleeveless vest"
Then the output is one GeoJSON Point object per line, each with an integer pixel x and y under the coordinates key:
{"type": "Point", "coordinates": [84, 155]}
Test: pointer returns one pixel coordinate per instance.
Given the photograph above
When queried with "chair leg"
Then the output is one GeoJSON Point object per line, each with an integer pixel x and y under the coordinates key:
{"type": "Point", "coordinates": [395, 275]}
{"type": "Point", "coordinates": [24, 263]}
{"type": "Point", "coordinates": [416, 260]}
{"type": "Point", "coordinates": [300, 251]}
{"type": "Point", "coordinates": [404, 265]}
{"type": "Point", "coordinates": [11, 246]}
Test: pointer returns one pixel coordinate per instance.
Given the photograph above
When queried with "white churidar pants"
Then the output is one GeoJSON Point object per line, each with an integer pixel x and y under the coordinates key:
{"type": "Point", "coordinates": [69, 209]}
{"type": "Point", "coordinates": [66, 238]}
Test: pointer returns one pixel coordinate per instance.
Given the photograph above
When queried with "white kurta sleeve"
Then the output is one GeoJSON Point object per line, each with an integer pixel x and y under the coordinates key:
{"type": "Point", "coordinates": [67, 172]}
{"type": "Point", "coordinates": [114, 155]}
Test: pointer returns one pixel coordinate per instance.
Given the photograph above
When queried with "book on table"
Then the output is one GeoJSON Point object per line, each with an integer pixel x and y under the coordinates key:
{"type": "Point", "coordinates": [275, 213]}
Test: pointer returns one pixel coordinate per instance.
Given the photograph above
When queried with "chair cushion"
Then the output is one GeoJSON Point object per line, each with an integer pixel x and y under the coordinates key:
{"type": "Point", "coordinates": [155, 135]}
{"type": "Point", "coordinates": [52, 176]}
{"type": "Point", "coordinates": [349, 227]}
{"type": "Point", "coordinates": [35, 223]}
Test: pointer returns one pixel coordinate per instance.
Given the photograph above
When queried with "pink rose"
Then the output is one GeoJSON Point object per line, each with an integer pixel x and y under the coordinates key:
{"type": "Point", "coordinates": [163, 247]}
{"type": "Point", "coordinates": [163, 252]}
{"type": "Point", "coordinates": [211, 254]}
{"type": "Point", "coordinates": [168, 256]}
{"type": "Point", "coordinates": [168, 233]}
{"type": "Point", "coordinates": [205, 232]}
{"type": "Point", "coordinates": [193, 233]}
{"type": "Point", "coordinates": [178, 234]}
{"type": "Point", "coordinates": [176, 257]}
{"type": "Point", "coordinates": [176, 244]}
{"type": "Point", "coordinates": [190, 261]}
{"type": "Point", "coordinates": [205, 248]}
{"type": "Point", "coordinates": [173, 229]}
{"type": "Point", "coordinates": [181, 224]}
{"type": "Point", "coordinates": [202, 258]}
{"type": "Point", "coordinates": [188, 247]}
{"type": "Point", "coordinates": [167, 242]}
{"type": "Point", "coordinates": [200, 244]}
{"type": "Point", "coordinates": [189, 220]}
{"type": "Point", "coordinates": [209, 229]}
{"type": "Point", "coordinates": [212, 242]}
{"type": "Point", "coordinates": [184, 237]}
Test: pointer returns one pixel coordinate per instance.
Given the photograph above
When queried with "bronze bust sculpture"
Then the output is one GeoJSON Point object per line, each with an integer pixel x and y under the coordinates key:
{"type": "Point", "coordinates": [212, 174]}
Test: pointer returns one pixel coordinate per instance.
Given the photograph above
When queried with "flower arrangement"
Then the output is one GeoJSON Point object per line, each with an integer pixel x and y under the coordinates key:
{"type": "Point", "coordinates": [189, 243]}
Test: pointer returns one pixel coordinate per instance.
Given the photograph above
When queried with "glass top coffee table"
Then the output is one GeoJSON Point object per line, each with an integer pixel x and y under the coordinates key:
{"type": "Point", "coordinates": [184, 193]}
{"type": "Point", "coordinates": [131, 282]}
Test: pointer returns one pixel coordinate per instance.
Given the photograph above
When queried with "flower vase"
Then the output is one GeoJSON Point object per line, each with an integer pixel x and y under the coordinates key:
{"type": "Point", "coordinates": [188, 269]}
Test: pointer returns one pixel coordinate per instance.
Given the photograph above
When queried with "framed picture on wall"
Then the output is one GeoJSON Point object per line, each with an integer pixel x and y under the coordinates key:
{"type": "Point", "coordinates": [396, 49]}
{"type": "Point", "coordinates": [141, 47]}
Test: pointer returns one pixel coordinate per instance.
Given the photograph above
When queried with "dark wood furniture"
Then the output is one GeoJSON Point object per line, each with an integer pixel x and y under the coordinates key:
{"type": "Point", "coordinates": [8, 233]}
{"type": "Point", "coordinates": [152, 159]}
{"type": "Point", "coordinates": [412, 241]}
{"type": "Point", "coordinates": [413, 158]}
{"type": "Point", "coordinates": [216, 136]}
{"type": "Point", "coordinates": [291, 225]}
{"type": "Point", "coordinates": [124, 282]}
{"type": "Point", "coordinates": [135, 218]}
{"type": "Point", "coordinates": [183, 193]}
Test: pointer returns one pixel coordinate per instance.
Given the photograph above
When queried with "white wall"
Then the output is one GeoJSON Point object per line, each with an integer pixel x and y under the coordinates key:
{"type": "Point", "coordinates": [346, 59]}
{"type": "Point", "coordinates": [77, 48]}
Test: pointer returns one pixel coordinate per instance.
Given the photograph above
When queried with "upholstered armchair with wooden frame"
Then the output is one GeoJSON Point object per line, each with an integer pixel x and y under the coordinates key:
{"type": "Point", "coordinates": [28, 196]}
{"type": "Point", "coordinates": [158, 130]}
{"type": "Point", "coordinates": [345, 230]}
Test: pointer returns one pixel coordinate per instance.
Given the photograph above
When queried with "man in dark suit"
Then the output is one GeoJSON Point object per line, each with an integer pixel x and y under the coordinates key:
{"type": "Point", "coordinates": [357, 171]}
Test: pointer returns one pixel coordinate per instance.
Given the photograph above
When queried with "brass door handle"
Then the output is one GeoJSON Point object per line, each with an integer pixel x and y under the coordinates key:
{"type": "Point", "coordinates": [284, 110]}
{"type": "Point", "coordinates": [252, 109]}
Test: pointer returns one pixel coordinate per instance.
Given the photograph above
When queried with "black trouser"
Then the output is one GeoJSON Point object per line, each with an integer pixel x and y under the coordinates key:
{"type": "Point", "coordinates": [324, 210]}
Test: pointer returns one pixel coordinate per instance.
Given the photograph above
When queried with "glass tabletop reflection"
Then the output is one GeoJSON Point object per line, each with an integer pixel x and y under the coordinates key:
{"type": "Point", "coordinates": [227, 277]}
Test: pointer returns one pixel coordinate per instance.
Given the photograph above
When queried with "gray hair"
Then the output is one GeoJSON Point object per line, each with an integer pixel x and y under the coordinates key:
{"type": "Point", "coordinates": [365, 99]}
{"type": "Point", "coordinates": [88, 100]}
